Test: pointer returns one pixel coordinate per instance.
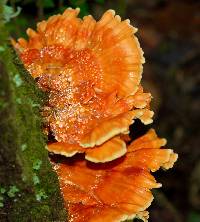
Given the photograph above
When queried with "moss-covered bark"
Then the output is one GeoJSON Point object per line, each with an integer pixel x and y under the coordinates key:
{"type": "Point", "coordinates": [29, 188]}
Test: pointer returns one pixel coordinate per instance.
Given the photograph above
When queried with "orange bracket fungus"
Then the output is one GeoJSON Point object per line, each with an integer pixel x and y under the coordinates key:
{"type": "Point", "coordinates": [92, 71]}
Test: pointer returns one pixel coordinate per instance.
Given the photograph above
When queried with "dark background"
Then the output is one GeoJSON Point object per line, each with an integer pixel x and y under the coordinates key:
{"type": "Point", "coordinates": [169, 33]}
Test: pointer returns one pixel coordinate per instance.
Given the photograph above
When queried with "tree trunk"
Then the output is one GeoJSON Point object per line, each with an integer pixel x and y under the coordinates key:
{"type": "Point", "coordinates": [29, 189]}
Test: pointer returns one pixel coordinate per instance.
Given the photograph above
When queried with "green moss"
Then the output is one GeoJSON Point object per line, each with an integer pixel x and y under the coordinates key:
{"type": "Point", "coordinates": [17, 80]}
{"type": "Point", "coordinates": [37, 164]}
{"type": "Point", "coordinates": [2, 190]}
{"type": "Point", "coordinates": [13, 191]}
{"type": "Point", "coordinates": [18, 100]}
{"type": "Point", "coordinates": [41, 195]}
{"type": "Point", "coordinates": [2, 49]}
{"type": "Point", "coordinates": [36, 179]}
{"type": "Point", "coordinates": [23, 146]}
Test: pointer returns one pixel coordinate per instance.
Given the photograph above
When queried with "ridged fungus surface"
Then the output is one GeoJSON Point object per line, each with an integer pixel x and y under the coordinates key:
{"type": "Point", "coordinates": [117, 190]}
{"type": "Point", "coordinates": [92, 71]}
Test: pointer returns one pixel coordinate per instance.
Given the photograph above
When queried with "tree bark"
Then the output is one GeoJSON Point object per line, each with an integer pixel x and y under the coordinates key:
{"type": "Point", "coordinates": [29, 188]}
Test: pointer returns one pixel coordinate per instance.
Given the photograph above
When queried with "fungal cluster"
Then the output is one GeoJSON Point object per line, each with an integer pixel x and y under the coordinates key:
{"type": "Point", "coordinates": [92, 72]}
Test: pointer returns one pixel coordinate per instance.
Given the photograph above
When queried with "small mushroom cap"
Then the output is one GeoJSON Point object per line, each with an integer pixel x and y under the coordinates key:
{"type": "Point", "coordinates": [108, 129]}
{"type": "Point", "coordinates": [108, 151]}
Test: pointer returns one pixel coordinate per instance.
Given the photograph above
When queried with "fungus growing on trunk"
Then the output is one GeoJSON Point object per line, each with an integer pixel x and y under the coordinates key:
{"type": "Point", "coordinates": [92, 71]}
{"type": "Point", "coordinates": [116, 190]}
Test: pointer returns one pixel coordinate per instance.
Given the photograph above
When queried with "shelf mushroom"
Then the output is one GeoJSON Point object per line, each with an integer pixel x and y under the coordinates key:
{"type": "Point", "coordinates": [91, 71]}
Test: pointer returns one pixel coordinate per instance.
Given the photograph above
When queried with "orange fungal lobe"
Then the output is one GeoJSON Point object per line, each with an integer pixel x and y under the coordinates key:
{"type": "Point", "coordinates": [91, 71]}
{"type": "Point", "coordinates": [117, 190]}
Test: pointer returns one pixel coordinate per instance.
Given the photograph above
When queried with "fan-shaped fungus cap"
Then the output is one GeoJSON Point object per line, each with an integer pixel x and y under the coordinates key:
{"type": "Point", "coordinates": [92, 71]}
{"type": "Point", "coordinates": [118, 190]}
